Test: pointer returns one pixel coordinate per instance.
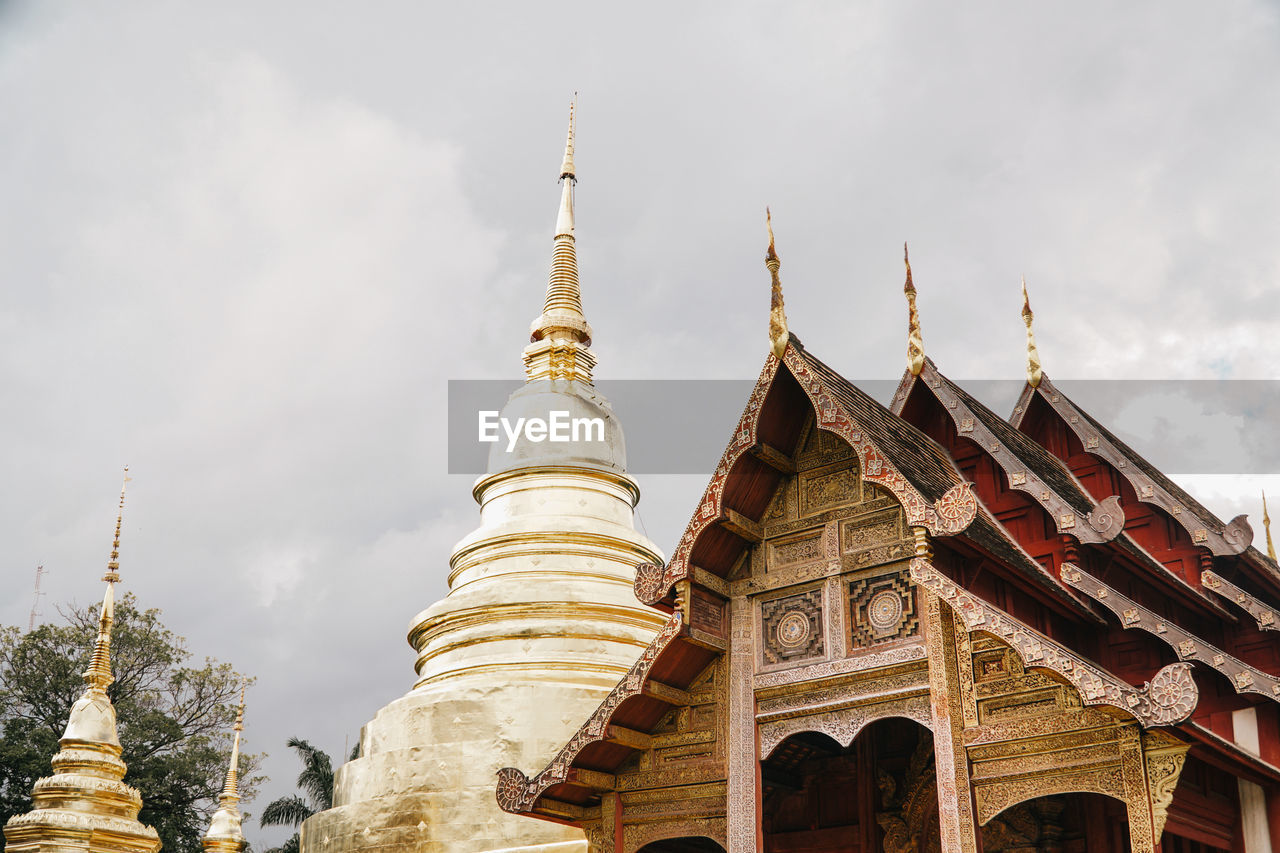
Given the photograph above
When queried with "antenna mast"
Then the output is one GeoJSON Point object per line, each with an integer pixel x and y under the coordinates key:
{"type": "Point", "coordinates": [35, 603]}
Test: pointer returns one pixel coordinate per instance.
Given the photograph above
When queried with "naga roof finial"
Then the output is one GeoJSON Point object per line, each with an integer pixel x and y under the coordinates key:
{"type": "Point", "coordinates": [1034, 371]}
{"type": "Point", "coordinates": [1266, 525]}
{"type": "Point", "coordinates": [98, 675]}
{"type": "Point", "coordinates": [778, 333]}
{"type": "Point", "coordinates": [915, 341]}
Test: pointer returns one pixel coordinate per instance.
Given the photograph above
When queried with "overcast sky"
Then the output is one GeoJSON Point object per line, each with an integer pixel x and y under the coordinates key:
{"type": "Point", "coordinates": [243, 247]}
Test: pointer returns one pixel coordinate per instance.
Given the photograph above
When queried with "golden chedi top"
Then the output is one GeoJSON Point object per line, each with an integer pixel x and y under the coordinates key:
{"type": "Point", "coordinates": [540, 622]}
{"type": "Point", "coordinates": [225, 834]}
{"type": "Point", "coordinates": [85, 804]}
{"type": "Point", "coordinates": [778, 332]}
{"type": "Point", "coordinates": [1034, 371]}
{"type": "Point", "coordinates": [560, 336]}
{"type": "Point", "coordinates": [915, 341]}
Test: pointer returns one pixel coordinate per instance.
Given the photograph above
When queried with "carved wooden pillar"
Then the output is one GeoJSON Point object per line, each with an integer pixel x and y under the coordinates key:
{"type": "Point", "coordinates": [606, 838]}
{"type": "Point", "coordinates": [1137, 793]}
{"type": "Point", "coordinates": [743, 807]}
{"type": "Point", "coordinates": [955, 794]}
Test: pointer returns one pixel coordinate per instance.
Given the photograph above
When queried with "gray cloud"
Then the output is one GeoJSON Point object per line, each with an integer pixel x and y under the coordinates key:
{"type": "Point", "coordinates": [243, 248]}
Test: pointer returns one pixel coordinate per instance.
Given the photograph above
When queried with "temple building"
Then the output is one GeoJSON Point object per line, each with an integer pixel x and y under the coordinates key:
{"type": "Point", "coordinates": [925, 627]}
{"type": "Point", "coordinates": [85, 805]}
{"type": "Point", "coordinates": [539, 623]}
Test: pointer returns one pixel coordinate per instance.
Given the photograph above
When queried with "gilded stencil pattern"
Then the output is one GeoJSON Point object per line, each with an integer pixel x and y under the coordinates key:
{"type": "Point", "coordinates": [951, 514]}
{"type": "Point", "coordinates": [707, 827]}
{"type": "Point", "coordinates": [1163, 771]}
{"type": "Point", "coordinates": [741, 804]}
{"type": "Point", "coordinates": [872, 660]}
{"type": "Point", "coordinates": [792, 627]}
{"type": "Point", "coordinates": [844, 724]}
{"type": "Point", "coordinates": [995, 798]}
{"type": "Point", "coordinates": [1134, 773]}
{"type": "Point", "coordinates": [1169, 698]}
{"type": "Point", "coordinates": [882, 610]}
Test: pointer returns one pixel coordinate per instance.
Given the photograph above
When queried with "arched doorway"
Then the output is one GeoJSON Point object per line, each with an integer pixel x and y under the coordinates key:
{"type": "Point", "coordinates": [876, 794]}
{"type": "Point", "coordinates": [687, 844]}
{"type": "Point", "coordinates": [1061, 823]}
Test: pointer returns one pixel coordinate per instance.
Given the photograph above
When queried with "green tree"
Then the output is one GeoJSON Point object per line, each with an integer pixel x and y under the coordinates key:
{"type": "Point", "coordinates": [174, 720]}
{"type": "Point", "coordinates": [315, 781]}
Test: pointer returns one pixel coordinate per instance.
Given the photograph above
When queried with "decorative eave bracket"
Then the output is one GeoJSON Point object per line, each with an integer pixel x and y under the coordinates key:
{"type": "Point", "coordinates": [1169, 698]}
{"type": "Point", "coordinates": [1187, 646]}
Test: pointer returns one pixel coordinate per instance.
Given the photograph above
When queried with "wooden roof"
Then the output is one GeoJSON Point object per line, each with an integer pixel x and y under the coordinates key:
{"type": "Point", "coordinates": [926, 481]}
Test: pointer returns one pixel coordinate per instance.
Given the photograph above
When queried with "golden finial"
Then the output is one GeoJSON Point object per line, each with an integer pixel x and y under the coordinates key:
{"type": "Point", "coordinates": [566, 168]}
{"type": "Point", "coordinates": [1266, 524]}
{"type": "Point", "coordinates": [231, 790]}
{"type": "Point", "coordinates": [98, 675]}
{"type": "Point", "coordinates": [1034, 373]}
{"type": "Point", "coordinates": [915, 341]}
{"type": "Point", "coordinates": [778, 333]}
{"type": "Point", "coordinates": [562, 318]}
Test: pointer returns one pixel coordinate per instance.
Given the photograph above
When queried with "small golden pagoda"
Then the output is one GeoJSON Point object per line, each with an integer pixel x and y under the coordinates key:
{"type": "Point", "coordinates": [225, 834]}
{"type": "Point", "coordinates": [85, 804]}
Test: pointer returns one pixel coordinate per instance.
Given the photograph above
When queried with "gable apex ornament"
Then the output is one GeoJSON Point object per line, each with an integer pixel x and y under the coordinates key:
{"type": "Point", "coordinates": [1266, 525]}
{"type": "Point", "coordinates": [778, 332]}
{"type": "Point", "coordinates": [1034, 371]}
{"type": "Point", "coordinates": [915, 341]}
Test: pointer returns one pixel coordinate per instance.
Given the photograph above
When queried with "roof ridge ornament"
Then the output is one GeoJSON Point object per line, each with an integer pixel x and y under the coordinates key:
{"type": "Point", "coordinates": [1266, 525]}
{"type": "Point", "coordinates": [915, 341]}
{"type": "Point", "coordinates": [778, 332]}
{"type": "Point", "coordinates": [1034, 371]}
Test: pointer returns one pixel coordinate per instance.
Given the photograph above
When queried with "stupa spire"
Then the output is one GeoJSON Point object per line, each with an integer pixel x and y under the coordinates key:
{"type": "Point", "coordinates": [86, 798]}
{"type": "Point", "coordinates": [1034, 371]}
{"type": "Point", "coordinates": [915, 341]}
{"type": "Point", "coordinates": [225, 834]}
{"type": "Point", "coordinates": [778, 332]}
{"type": "Point", "coordinates": [98, 676]}
{"type": "Point", "coordinates": [1266, 524]}
{"type": "Point", "coordinates": [562, 327]}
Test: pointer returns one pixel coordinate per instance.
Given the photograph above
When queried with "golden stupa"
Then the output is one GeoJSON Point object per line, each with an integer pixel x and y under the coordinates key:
{"type": "Point", "coordinates": [540, 622]}
{"type": "Point", "coordinates": [85, 805]}
{"type": "Point", "coordinates": [225, 834]}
